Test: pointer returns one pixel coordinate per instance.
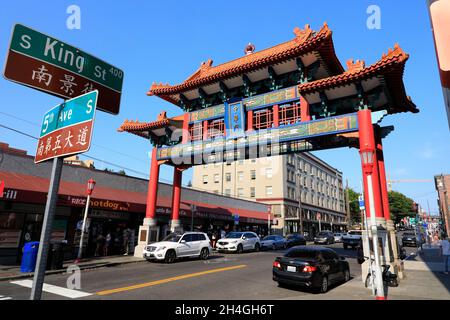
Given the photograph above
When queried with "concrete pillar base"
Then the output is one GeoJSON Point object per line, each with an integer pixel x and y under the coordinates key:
{"type": "Point", "coordinates": [175, 226]}
{"type": "Point", "coordinates": [148, 233]}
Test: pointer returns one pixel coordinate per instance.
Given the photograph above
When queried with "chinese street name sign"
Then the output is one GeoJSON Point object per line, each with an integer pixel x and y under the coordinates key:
{"type": "Point", "coordinates": [47, 64]}
{"type": "Point", "coordinates": [67, 128]}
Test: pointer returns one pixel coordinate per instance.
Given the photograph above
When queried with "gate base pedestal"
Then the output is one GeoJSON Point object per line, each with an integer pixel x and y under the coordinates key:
{"type": "Point", "coordinates": [148, 233]}
{"type": "Point", "coordinates": [176, 227]}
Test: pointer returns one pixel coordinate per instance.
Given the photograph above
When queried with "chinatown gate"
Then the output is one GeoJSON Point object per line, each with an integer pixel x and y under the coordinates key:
{"type": "Point", "coordinates": [292, 97]}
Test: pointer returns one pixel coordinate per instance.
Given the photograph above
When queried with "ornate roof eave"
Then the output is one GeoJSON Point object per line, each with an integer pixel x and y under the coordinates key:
{"type": "Point", "coordinates": [390, 66]}
{"type": "Point", "coordinates": [304, 42]}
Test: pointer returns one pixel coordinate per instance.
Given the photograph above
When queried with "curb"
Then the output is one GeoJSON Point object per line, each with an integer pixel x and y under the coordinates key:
{"type": "Point", "coordinates": [60, 271]}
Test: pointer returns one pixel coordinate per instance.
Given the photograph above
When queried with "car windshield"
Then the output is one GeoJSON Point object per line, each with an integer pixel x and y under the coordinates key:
{"type": "Point", "coordinates": [234, 235]}
{"type": "Point", "coordinates": [173, 237]}
{"type": "Point", "coordinates": [301, 254]}
{"type": "Point", "coordinates": [322, 234]}
{"type": "Point", "coordinates": [409, 235]}
{"type": "Point", "coordinates": [355, 233]}
{"type": "Point", "coordinates": [269, 238]}
{"type": "Point", "coordinates": [292, 236]}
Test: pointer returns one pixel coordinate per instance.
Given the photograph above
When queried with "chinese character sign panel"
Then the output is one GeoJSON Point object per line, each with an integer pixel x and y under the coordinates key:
{"type": "Point", "coordinates": [49, 65]}
{"type": "Point", "coordinates": [234, 119]}
{"type": "Point", "coordinates": [67, 128]}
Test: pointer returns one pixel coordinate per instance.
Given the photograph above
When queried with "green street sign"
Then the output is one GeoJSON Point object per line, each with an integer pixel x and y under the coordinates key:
{"type": "Point", "coordinates": [47, 64]}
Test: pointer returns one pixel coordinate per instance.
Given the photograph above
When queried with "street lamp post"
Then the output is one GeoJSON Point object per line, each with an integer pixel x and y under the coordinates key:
{"type": "Point", "coordinates": [300, 216]}
{"type": "Point", "coordinates": [89, 190]}
{"type": "Point", "coordinates": [367, 158]}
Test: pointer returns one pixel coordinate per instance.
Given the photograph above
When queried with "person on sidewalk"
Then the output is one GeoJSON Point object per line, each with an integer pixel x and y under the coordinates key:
{"type": "Point", "coordinates": [99, 243]}
{"type": "Point", "coordinates": [107, 244]}
{"type": "Point", "coordinates": [126, 240]}
{"type": "Point", "coordinates": [445, 252]}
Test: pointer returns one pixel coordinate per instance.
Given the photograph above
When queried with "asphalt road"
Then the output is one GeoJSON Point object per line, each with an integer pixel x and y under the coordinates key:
{"type": "Point", "coordinates": [223, 276]}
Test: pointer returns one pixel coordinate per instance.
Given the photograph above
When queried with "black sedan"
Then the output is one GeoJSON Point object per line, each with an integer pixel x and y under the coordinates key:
{"type": "Point", "coordinates": [295, 239]}
{"type": "Point", "coordinates": [410, 239]}
{"type": "Point", "coordinates": [310, 267]}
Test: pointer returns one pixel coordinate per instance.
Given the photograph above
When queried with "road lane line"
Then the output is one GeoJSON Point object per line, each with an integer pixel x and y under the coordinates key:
{"type": "Point", "coordinates": [68, 293]}
{"type": "Point", "coordinates": [154, 283]}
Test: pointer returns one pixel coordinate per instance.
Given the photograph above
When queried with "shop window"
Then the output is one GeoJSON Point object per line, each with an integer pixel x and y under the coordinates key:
{"type": "Point", "coordinates": [215, 129]}
{"type": "Point", "coordinates": [290, 114]}
{"type": "Point", "coordinates": [263, 119]}
{"type": "Point", "coordinates": [196, 131]}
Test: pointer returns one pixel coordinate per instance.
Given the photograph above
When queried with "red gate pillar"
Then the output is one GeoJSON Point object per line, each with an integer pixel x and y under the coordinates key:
{"type": "Point", "coordinates": [382, 175]}
{"type": "Point", "coordinates": [152, 194]}
{"type": "Point", "coordinates": [304, 110]}
{"type": "Point", "coordinates": [176, 197]}
{"type": "Point", "coordinates": [149, 231]}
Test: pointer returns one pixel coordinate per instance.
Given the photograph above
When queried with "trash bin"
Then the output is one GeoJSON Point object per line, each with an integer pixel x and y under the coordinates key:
{"type": "Point", "coordinates": [30, 251]}
{"type": "Point", "coordinates": [55, 259]}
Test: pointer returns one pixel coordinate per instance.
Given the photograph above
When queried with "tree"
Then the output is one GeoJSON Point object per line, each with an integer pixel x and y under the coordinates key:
{"type": "Point", "coordinates": [355, 214]}
{"type": "Point", "coordinates": [400, 206]}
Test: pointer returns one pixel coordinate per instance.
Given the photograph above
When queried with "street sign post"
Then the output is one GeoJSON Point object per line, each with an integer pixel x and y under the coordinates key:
{"type": "Point", "coordinates": [67, 128]}
{"type": "Point", "coordinates": [361, 203]}
{"type": "Point", "coordinates": [47, 64]}
{"type": "Point", "coordinates": [236, 219]}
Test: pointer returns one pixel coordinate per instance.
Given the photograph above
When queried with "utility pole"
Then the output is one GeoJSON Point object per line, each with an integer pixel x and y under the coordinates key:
{"type": "Point", "coordinates": [347, 204]}
{"type": "Point", "coordinates": [299, 209]}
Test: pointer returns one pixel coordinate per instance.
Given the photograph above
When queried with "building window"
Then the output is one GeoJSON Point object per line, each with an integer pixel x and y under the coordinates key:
{"type": "Point", "coordinates": [216, 178]}
{"type": "Point", "coordinates": [205, 179]}
{"type": "Point", "coordinates": [252, 192]}
{"type": "Point", "coordinates": [196, 131]}
{"type": "Point", "coordinates": [290, 114]}
{"type": "Point", "coordinates": [228, 177]}
{"type": "Point", "coordinates": [228, 192]}
{"type": "Point", "coordinates": [240, 176]}
{"type": "Point", "coordinates": [240, 192]}
{"type": "Point", "coordinates": [215, 129]}
{"type": "Point", "coordinates": [262, 119]}
{"type": "Point", "coordinates": [268, 190]}
{"type": "Point", "coordinates": [269, 173]}
{"type": "Point", "coordinates": [253, 174]}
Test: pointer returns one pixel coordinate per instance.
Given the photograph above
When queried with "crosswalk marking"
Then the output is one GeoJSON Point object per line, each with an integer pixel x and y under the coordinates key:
{"type": "Point", "coordinates": [68, 293]}
{"type": "Point", "coordinates": [5, 298]}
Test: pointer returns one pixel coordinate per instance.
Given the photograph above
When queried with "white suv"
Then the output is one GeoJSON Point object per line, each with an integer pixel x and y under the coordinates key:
{"type": "Point", "coordinates": [189, 244]}
{"type": "Point", "coordinates": [239, 242]}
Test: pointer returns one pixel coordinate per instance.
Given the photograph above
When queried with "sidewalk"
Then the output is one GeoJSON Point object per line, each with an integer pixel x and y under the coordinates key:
{"type": "Point", "coordinates": [13, 272]}
{"type": "Point", "coordinates": [424, 281]}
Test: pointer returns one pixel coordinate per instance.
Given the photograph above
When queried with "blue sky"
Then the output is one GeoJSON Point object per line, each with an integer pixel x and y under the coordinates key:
{"type": "Point", "coordinates": [165, 41]}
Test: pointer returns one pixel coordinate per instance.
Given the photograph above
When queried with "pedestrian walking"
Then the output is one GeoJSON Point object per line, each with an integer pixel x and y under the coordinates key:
{"type": "Point", "coordinates": [126, 240]}
{"type": "Point", "coordinates": [108, 239]}
{"type": "Point", "coordinates": [99, 243]}
{"type": "Point", "coordinates": [214, 239]}
{"type": "Point", "coordinates": [445, 252]}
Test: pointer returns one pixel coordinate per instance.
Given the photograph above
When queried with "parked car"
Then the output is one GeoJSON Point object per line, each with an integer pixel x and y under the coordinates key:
{"type": "Point", "coordinates": [295, 239]}
{"type": "Point", "coordinates": [239, 242]}
{"type": "Point", "coordinates": [352, 239]}
{"type": "Point", "coordinates": [324, 237]}
{"type": "Point", "coordinates": [338, 237]}
{"type": "Point", "coordinates": [311, 267]}
{"type": "Point", "coordinates": [410, 239]}
{"type": "Point", "coordinates": [175, 245]}
{"type": "Point", "coordinates": [273, 242]}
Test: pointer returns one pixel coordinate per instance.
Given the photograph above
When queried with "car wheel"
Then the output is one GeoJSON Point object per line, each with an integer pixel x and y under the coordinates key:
{"type": "Point", "coordinates": [346, 275]}
{"type": "Point", "coordinates": [204, 254]}
{"type": "Point", "coordinates": [257, 247]}
{"type": "Point", "coordinates": [170, 256]}
{"type": "Point", "coordinates": [324, 285]}
{"type": "Point", "coordinates": [240, 249]}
